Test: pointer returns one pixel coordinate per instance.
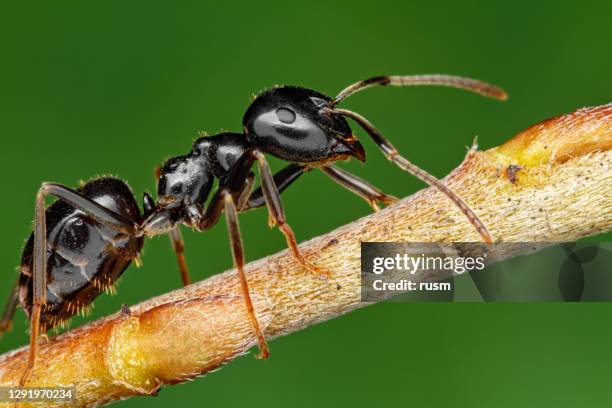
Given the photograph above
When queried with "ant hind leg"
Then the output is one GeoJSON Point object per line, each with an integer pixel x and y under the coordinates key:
{"type": "Point", "coordinates": [371, 194]}
{"type": "Point", "coordinates": [277, 215]}
{"type": "Point", "coordinates": [283, 179]}
{"type": "Point", "coordinates": [392, 154]}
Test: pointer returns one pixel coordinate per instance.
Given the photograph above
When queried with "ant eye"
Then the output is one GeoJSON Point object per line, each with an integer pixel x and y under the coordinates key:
{"type": "Point", "coordinates": [285, 115]}
{"type": "Point", "coordinates": [177, 188]}
{"type": "Point", "coordinates": [171, 166]}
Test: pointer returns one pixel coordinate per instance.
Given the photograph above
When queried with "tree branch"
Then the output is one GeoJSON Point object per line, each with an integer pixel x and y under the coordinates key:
{"type": "Point", "coordinates": [552, 182]}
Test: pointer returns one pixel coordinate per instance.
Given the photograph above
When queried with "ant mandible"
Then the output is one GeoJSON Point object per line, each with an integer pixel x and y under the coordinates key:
{"type": "Point", "coordinates": [83, 242]}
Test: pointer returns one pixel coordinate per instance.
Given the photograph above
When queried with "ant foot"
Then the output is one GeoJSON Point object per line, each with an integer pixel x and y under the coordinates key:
{"type": "Point", "coordinates": [317, 270]}
{"type": "Point", "coordinates": [388, 199]}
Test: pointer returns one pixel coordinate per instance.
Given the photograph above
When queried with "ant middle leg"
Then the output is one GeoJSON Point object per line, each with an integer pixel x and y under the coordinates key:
{"type": "Point", "coordinates": [246, 194]}
{"type": "Point", "coordinates": [371, 194]}
{"type": "Point", "coordinates": [277, 214]}
{"type": "Point", "coordinates": [231, 214]}
{"type": "Point", "coordinates": [231, 190]}
{"type": "Point", "coordinates": [392, 154]}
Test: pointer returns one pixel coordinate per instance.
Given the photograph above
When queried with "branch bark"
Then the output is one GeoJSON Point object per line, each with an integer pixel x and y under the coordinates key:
{"type": "Point", "coordinates": [552, 182]}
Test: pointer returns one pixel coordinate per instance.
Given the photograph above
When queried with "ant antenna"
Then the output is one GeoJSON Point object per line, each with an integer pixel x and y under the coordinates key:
{"type": "Point", "coordinates": [468, 84]}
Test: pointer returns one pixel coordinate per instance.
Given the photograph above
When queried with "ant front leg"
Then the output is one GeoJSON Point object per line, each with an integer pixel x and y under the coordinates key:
{"type": "Point", "coordinates": [178, 245]}
{"type": "Point", "coordinates": [277, 214]}
{"type": "Point", "coordinates": [39, 263]}
{"type": "Point", "coordinates": [9, 310]}
{"type": "Point", "coordinates": [371, 194]}
{"type": "Point", "coordinates": [392, 154]}
{"type": "Point", "coordinates": [176, 240]}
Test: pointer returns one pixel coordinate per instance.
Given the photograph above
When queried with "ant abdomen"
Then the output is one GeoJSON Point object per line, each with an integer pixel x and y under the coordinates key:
{"type": "Point", "coordinates": [288, 123]}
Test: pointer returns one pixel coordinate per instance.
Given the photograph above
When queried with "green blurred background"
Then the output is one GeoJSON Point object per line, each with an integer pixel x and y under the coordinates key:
{"type": "Point", "coordinates": [115, 87]}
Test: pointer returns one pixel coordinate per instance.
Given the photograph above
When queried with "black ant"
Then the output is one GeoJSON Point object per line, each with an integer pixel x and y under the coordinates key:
{"type": "Point", "coordinates": [84, 241]}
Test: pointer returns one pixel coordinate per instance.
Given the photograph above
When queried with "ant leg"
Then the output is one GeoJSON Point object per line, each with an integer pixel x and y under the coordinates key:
{"type": "Point", "coordinates": [391, 153]}
{"type": "Point", "coordinates": [362, 188]}
{"type": "Point", "coordinates": [277, 214]}
{"type": "Point", "coordinates": [9, 310]}
{"type": "Point", "coordinates": [39, 275]}
{"type": "Point", "coordinates": [282, 179]}
{"type": "Point", "coordinates": [231, 214]}
{"type": "Point", "coordinates": [176, 240]}
{"type": "Point", "coordinates": [178, 245]}
{"type": "Point", "coordinates": [289, 174]}
{"type": "Point", "coordinates": [245, 194]}
{"type": "Point", "coordinates": [468, 84]}
{"type": "Point", "coordinates": [232, 186]}
{"type": "Point", "coordinates": [236, 181]}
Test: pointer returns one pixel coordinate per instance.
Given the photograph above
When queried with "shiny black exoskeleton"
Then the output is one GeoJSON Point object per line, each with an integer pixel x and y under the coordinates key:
{"type": "Point", "coordinates": [82, 243]}
{"type": "Point", "coordinates": [297, 125]}
{"type": "Point", "coordinates": [287, 122]}
{"type": "Point", "coordinates": [292, 124]}
{"type": "Point", "coordinates": [84, 258]}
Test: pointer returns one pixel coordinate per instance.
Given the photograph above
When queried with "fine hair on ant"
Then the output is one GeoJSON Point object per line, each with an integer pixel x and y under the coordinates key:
{"type": "Point", "coordinates": [84, 241]}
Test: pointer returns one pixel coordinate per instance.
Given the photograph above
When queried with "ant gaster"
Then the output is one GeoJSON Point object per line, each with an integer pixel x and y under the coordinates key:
{"type": "Point", "coordinates": [84, 241]}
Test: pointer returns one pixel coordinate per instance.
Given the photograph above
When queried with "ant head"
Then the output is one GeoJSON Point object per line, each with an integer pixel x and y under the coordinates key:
{"type": "Point", "coordinates": [297, 124]}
